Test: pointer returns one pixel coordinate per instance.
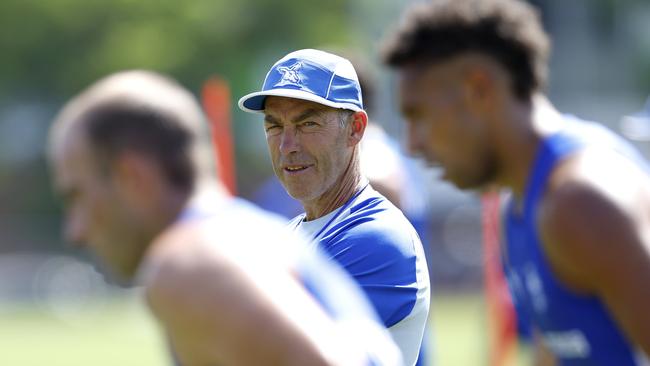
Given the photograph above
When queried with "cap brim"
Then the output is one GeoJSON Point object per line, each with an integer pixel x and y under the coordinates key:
{"type": "Point", "coordinates": [254, 102]}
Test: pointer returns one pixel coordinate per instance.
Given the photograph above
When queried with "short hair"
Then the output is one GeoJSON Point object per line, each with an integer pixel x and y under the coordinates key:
{"type": "Point", "coordinates": [116, 127]}
{"type": "Point", "coordinates": [509, 31]}
{"type": "Point", "coordinates": [145, 112]}
{"type": "Point", "coordinates": [344, 116]}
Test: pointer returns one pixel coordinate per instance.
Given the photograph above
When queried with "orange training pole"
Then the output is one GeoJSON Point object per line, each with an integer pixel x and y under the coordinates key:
{"type": "Point", "coordinates": [216, 103]}
{"type": "Point", "coordinates": [501, 314]}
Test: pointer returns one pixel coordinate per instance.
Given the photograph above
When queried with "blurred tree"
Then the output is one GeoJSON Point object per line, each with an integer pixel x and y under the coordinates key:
{"type": "Point", "coordinates": [50, 50]}
{"type": "Point", "coordinates": [54, 48]}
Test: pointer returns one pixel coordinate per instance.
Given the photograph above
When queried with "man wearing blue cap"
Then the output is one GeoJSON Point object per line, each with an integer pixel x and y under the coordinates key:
{"type": "Point", "coordinates": [314, 121]}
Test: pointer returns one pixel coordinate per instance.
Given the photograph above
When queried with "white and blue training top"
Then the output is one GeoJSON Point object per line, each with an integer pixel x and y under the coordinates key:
{"type": "Point", "coordinates": [375, 243]}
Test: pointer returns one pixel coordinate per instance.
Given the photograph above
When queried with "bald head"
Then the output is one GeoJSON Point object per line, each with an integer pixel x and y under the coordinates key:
{"type": "Point", "coordinates": [144, 112]}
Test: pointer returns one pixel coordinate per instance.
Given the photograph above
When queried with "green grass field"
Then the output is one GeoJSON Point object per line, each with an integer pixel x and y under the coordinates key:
{"type": "Point", "coordinates": [458, 323]}
{"type": "Point", "coordinates": [118, 333]}
{"type": "Point", "coordinates": [121, 333]}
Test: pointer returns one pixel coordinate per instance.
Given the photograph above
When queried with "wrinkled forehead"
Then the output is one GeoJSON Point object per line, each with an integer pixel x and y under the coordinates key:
{"type": "Point", "coordinates": [277, 103]}
{"type": "Point", "coordinates": [291, 109]}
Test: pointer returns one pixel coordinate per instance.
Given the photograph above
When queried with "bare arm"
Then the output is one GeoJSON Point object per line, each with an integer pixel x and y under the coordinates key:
{"type": "Point", "coordinates": [217, 312]}
{"type": "Point", "coordinates": [595, 224]}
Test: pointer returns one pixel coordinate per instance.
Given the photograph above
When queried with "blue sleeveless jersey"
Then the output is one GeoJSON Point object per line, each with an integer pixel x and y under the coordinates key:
{"type": "Point", "coordinates": [578, 329]}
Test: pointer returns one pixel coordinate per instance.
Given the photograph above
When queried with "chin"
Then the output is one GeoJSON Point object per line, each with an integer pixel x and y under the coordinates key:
{"type": "Point", "coordinates": [478, 179]}
{"type": "Point", "coordinates": [299, 194]}
{"type": "Point", "coordinates": [122, 279]}
{"type": "Point", "coordinates": [114, 274]}
{"type": "Point", "coordinates": [466, 183]}
{"type": "Point", "coordinates": [464, 186]}
{"type": "Point", "coordinates": [295, 194]}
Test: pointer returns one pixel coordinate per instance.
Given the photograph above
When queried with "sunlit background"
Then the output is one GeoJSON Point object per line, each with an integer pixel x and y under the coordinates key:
{"type": "Point", "coordinates": [56, 309]}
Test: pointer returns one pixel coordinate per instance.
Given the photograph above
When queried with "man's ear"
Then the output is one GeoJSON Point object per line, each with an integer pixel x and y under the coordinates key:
{"type": "Point", "coordinates": [478, 84]}
{"type": "Point", "coordinates": [136, 175]}
{"type": "Point", "coordinates": [357, 127]}
{"type": "Point", "coordinates": [485, 85]}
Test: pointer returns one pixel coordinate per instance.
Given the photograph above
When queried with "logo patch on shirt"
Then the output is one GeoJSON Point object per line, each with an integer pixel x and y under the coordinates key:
{"type": "Point", "coordinates": [535, 288]}
{"type": "Point", "coordinates": [568, 344]}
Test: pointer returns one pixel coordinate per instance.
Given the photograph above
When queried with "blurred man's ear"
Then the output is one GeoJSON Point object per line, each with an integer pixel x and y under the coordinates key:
{"type": "Point", "coordinates": [485, 84]}
{"type": "Point", "coordinates": [478, 84]}
{"type": "Point", "coordinates": [136, 175]}
{"type": "Point", "coordinates": [358, 127]}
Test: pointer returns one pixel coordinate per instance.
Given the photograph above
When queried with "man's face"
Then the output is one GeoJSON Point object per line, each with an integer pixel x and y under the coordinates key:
{"type": "Point", "coordinates": [96, 213]}
{"type": "Point", "coordinates": [443, 126]}
{"type": "Point", "coordinates": [309, 148]}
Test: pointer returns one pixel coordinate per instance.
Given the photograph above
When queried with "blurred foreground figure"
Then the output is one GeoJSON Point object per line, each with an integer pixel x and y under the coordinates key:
{"type": "Point", "coordinates": [132, 159]}
{"type": "Point", "coordinates": [577, 226]}
{"type": "Point", "coordinates": [314, 122]}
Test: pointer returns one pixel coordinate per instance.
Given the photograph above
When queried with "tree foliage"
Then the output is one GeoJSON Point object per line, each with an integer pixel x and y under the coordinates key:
{"type": "Point", "coordinates": [54, 48]}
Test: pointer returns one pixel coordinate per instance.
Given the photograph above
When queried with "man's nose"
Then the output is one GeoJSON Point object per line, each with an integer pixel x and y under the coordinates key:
{"type": "Point", "coordinates": [289, 141]}
{"type": "Point", "coordinates": [414, 141]}
{"type": "Point", "coordinates": [419, 146]}
{"type": "Point", "coordinates": [75, 229]}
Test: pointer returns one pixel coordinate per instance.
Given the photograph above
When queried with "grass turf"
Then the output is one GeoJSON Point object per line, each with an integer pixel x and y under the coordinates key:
{"type": "Point", "coordinates": [122, 333]}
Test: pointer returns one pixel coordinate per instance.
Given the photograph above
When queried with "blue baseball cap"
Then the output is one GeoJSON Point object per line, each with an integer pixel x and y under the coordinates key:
{"type": "Point", "coordinates": [312, 75]}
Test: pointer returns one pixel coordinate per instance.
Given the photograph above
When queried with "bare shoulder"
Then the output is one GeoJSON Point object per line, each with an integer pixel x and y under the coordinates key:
{"type": "Point", "coordinates": [220, 308]}
{"type": "Point", "coordinates": [595, 209]}
{"type": "Point", "coordinates": [203, 260]}
{"type": "Point", "coordinates": [595, 228]}
{"type": "Point", "coordinates": [180, 266]}
{"type": "Point", "coordinates": [203, 297]}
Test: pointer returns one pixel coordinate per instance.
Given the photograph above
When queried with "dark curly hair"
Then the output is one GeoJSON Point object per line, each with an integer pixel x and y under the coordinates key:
{"type": "Point", "coordinates": [509, 31]}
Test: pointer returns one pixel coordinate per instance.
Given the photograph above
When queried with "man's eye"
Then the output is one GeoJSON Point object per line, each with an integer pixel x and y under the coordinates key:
{"type": "Point", "coordinates": [309, 123]}
{"type": "Point", "coordinates": [271, 127]}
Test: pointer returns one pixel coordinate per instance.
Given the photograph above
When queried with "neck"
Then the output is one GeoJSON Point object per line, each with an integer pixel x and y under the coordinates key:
{"type": "Point", "coordinates": [207, 193]}
{"type": "Point", "coordinates": [167, 210]}
{"type": "Point", "coordinates": [342, 191]}
{"type": "Point", "coordinates": [526, 124]}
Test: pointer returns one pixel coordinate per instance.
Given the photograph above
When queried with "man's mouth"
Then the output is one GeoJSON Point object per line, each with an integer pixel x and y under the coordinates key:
{"type": "Point", "coordinates": [295, 168]}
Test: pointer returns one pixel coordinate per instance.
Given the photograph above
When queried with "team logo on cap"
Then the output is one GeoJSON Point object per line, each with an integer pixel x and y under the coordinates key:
{"type": "Point", "coordinates": [290, 74]}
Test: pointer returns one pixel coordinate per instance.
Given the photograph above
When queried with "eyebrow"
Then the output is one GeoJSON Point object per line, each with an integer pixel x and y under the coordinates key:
{"type": "Point", "coordinates": [268, 118]}
{"type": "Point", "coordinates": [306, 114]}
